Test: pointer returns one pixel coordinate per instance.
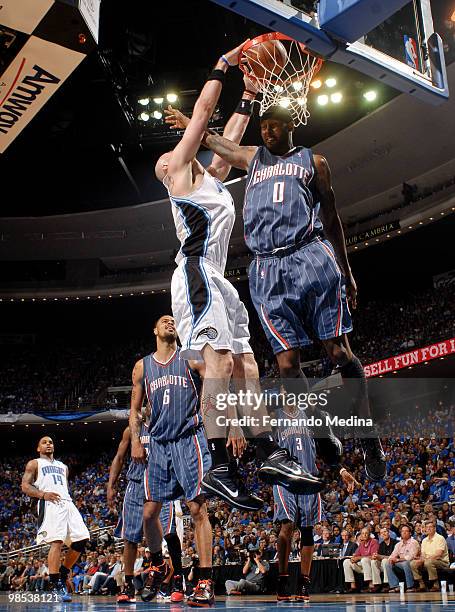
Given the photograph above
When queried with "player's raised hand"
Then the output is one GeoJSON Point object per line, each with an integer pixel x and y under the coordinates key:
{"type": "Point", "coordinates": [349, 480]}
{"type": "Point", "coordinates": [137, 451]}
{"type": "Point", "coordinates": [351, 291]}
{"type": "Point", "coordinates": [233, 56]}
{"type": "Point", "coordinates": [250, 85]}
{"type": "Point", "coordinates": [176, 119]}
{"type": "Point", "coordinates": [52, 497]}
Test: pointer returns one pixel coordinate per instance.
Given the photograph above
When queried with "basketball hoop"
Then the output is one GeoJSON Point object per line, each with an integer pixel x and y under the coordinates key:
{"type": "Point", "coordinates": [282, 69]}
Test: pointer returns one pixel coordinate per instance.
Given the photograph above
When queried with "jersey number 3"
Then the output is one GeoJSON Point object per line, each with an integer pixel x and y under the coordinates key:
{"type": "Point", "coordinates": [278, 191]}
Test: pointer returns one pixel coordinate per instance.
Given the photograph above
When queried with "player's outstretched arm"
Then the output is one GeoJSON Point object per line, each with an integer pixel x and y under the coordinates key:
{"type": "Point", "coordinates": [332, 223]}
{"type": "Point", "coordinates": [137, 399]}
{"type": "Point", "coordinates": [116, 466]}
{"type": "Point", "coordinates": [235, 128]}
{"type": "Point", "coordinates": [187, 148]}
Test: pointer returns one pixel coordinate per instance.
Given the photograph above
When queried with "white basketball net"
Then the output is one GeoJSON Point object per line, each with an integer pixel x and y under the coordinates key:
{"type": "Point", "coordinates": [286, 86]}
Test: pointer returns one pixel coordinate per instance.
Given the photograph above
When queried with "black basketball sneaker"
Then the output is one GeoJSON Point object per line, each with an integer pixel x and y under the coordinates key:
{"type": "Point", "coordinates": [154, 580]}
{"type": "Point", "coordinates": [282, 593]}
{"type": "Point", "coordinates": [281, 469]}
{"type": "Point", "coordinates": [222, 481]}
{"type": "Point", "coordinates": [374, 458]}
{"type": "Point", "coordinates": [203, 595]}
{"type": "Point", "coordinates": [304, 592]}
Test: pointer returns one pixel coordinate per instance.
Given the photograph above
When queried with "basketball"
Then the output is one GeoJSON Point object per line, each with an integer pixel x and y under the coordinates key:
{"type": "Point", "coordinates": [267, 56]}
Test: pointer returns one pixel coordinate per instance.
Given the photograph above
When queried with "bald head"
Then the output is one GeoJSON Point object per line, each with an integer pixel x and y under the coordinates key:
{"type": "Point", "coordinates": [162, 165]}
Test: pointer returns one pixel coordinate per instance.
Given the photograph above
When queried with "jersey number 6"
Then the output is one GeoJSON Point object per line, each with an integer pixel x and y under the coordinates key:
{"type": "Point", "coordinates": [278, 191]}
{"type": "Point", "coordinates": [166, 397]}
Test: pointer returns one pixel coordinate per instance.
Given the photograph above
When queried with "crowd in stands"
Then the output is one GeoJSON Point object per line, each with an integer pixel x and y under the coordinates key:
{"type": "Point", "coordinates": [61, 377]}
{"type": "Point", "coordinates": [419, 487]}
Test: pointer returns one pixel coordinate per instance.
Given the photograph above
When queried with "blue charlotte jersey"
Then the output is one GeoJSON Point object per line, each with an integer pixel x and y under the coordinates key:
{"type": "Point", "coordinates": [136, 470]}
{"type": "Point", "coordinates": [297, 439]}
{"type": "Point", "coordinates": [173, 391]}
{"type": "Point", "coordinates": [281, 208]}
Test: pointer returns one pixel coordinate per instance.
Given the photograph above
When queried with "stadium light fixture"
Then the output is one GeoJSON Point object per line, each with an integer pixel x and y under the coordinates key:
{"type": "Point", "coordinates": [158, 100]}
{"type": "Point", "coordinates": [171, 97]}
{"type": "Point", "coordinates": [284, 102]}
{"type": "Point", "coordinates": [301, 101]}
{"type": "Point", "coordinates": [336, 97]}
{"type": "Point", "coordinates": [297, 85]}
{"type": "Point", "coordinates": [316, 84]}
{"type": "Point", "coordinates": [144, 116]}
{"type": "Point", "coordinates": [331, 82]}
{"type": "Point", "coordinates": [323, 100]}
{"type": "Point", "coordinates": [157, 114]}
{"type": "Point", "coordinates": [278, 88]}
{"type": "Point", "coordinates": [370, 96]}
{"type": "Point", "coordinates": [144, 101]}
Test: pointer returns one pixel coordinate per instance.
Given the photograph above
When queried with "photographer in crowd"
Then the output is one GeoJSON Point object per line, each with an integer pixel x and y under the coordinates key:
{"type": "Point", "coordinates": [254, 570]}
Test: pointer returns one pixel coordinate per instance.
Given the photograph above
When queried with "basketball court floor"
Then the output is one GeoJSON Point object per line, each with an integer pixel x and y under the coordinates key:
{"type": "Point", "coordinates": [416, 602]}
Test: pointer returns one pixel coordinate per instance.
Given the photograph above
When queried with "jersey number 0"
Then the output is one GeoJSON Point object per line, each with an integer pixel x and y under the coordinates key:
{"type": "Point", "coordinates": [278, 191]}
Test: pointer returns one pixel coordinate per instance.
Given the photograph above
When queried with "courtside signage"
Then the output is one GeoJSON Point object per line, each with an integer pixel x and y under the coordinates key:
{"type": "Point", "coordinates": [29, 81]}
{"type": "Point", "coordinates": [434, 351]}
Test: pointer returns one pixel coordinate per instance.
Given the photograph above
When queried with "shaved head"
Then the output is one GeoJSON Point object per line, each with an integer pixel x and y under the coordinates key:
{"type": "Point", "coordinates": [161, 166]}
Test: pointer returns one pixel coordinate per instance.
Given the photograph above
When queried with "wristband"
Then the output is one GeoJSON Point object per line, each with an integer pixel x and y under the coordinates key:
{"type": "Point", "coordinates": [244, 107]}
{"type": "Point", "coordinates": [224, 59]}
{"type": "Point", "coordinates": [217, 75]}
{"type": "Point", "coordinates": [44, 494]}
{"type": "Point", "coordinates": [343, 469]}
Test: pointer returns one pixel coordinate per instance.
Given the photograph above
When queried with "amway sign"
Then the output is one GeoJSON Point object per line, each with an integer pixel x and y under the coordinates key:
{"type": "Point", "coordinates": [30, 80]}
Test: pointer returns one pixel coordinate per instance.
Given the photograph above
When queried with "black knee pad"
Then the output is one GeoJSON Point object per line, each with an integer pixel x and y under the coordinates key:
{"type": "Point", "coordinates": [306, 536]}
{"type": "Point", "coordinates": [79, 546]}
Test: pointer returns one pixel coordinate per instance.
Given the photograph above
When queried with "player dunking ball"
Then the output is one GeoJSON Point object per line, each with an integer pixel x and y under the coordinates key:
{"type": "Point", "coordinates": [130, 525]}
{"type": "Point", "coordinates": [212, 321]}
{"type": "Point", "coordinates": [178, 453]}
{"type": "Point", "coordinates": [59, 521]}
{"type": "Point", "coordinates": [300, 279]}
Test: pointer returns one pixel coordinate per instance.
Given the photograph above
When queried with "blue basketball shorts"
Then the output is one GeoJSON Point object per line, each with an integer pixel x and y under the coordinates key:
{"type": "Point", "coordinates": [129, 526]}
{"type": "Point", "coordinates": [300, 295]}
{"type": "Point", "coordinates": [175, 468]}
{"type": "Point", "coordinates": [302, 510]}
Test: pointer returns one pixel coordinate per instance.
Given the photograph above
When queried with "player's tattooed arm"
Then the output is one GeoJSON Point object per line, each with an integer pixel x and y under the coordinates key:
{"type": "Point", "coordinates": [27, 486]}
{"type": "Point", "coordinates": [233, 154]}
{"type": "Point", "coordinates": [116, 467]}
{"type": "Point", "coordinates": [332, 224]}
{"type": "Point", "coordinates": [135, 423]}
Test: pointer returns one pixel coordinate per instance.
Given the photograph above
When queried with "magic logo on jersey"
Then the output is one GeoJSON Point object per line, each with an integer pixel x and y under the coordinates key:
{"type": "Point", "coordinates": [53, 469]}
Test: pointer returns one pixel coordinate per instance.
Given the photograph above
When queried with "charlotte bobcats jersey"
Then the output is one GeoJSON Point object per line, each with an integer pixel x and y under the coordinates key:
{"type": "Point", "coordinates": [297, 439]}
{"type": "Point", "coordinates": [204, 220]}
{"type": "Point", "coordinates": [136, 469]}
{"type": "Point", "coordinates": [280, 207]}
{"type": "Point", "coordinates": [52, 477]}
{"type": "Point", "coordinates": [172, 390]}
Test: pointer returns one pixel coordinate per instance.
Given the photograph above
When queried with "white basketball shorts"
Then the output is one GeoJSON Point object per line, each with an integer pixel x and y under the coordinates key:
{"type": "Point", "coordinates": [207, 310]}
{"type": "Point", "coordinates": [60, 521]}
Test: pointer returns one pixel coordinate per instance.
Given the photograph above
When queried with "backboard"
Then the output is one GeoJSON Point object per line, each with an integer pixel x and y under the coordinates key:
{"type": "Point", "coordinates": [392, 41]}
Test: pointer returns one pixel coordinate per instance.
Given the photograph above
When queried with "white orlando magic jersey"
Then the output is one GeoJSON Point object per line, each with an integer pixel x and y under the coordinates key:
{"type": "Point", "coordinates": [52, 477]}
{"type": "Point", "coordinates": [204, 220]}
